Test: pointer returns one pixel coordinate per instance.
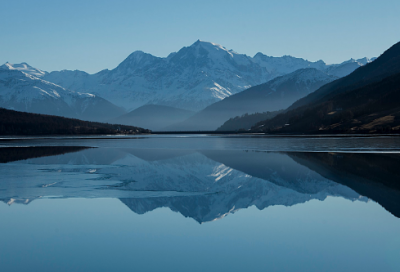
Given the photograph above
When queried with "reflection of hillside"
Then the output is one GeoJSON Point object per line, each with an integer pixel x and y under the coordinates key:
{"type": "Point", "coordinates": [9, 154]}
{"type": "Point", "coordinates": [376, 176]}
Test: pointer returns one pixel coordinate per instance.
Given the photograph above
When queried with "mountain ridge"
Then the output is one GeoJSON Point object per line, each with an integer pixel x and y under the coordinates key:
{"type": "Point", "coordinates": [192, 78]}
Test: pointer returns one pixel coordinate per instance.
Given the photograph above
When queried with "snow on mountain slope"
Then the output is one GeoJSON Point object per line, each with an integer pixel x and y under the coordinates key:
{"type": "Point", "coordinates": [192, 78]}
{"type": "Point", "coordinates": [21, 90]}
{"type": "Point", "coordinates": [24, 67]}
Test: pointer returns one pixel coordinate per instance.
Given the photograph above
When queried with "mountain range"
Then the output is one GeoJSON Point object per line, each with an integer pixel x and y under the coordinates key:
{"type": "Point", "coordinates": [192, 79]}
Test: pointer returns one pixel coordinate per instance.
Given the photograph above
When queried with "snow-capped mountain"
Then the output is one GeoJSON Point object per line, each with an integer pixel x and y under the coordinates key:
{"type": "Point", "coordinates": [276, 94]}
{"type": "Point", "coordinates": [21, 89]}
{"type": "Point", "coordinates": [192, 78]}
{"type": "Point", "coordinates": [24, 67]}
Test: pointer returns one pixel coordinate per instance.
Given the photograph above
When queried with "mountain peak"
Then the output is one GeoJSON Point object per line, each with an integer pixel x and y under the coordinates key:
{"type": "Point", "coordinates": [25, 68]}
{"type": "Point", "coordinates": [210, 46]}
{"type": "Point", "coordinates": [138, 55]}
{"type": "Point", "coordinates": [136, 60]}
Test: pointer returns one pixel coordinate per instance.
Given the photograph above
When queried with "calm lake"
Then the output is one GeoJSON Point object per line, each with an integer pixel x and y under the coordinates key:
{"type": "Point", "coordinates": [200, 203]}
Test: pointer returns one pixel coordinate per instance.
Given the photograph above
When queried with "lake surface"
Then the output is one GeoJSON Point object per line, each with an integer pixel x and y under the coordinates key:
{"type": "Point", "coordinates": [200, 203]}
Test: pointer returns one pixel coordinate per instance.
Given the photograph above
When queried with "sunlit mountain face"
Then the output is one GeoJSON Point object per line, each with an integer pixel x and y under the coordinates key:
{"type": "Point", "coordinates": [204, 185]}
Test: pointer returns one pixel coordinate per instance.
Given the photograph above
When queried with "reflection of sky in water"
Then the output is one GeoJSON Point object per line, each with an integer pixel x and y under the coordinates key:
{"type": "Point", "coordinates": [278, 211]}
{"type": "Point", "coordinates": [103, 235]}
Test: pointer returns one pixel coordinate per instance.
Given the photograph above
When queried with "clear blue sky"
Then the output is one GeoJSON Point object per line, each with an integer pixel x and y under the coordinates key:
{"type": "Point", "coordinates": [94, 35]}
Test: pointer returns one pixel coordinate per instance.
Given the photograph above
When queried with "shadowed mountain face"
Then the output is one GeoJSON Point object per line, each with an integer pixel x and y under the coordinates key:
{"type": "Point", "coordinates": [247, 121]}
{"type": "Point", "coordinates": [204, 185]}
{"type": "Point", "coordinates": [384, 66]}
{"type": "Point", "coordinates": [364, 102]}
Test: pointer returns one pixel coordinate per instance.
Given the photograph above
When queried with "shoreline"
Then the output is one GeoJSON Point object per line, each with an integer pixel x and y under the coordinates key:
{"type": "Point", "coordinates": [7, 138]}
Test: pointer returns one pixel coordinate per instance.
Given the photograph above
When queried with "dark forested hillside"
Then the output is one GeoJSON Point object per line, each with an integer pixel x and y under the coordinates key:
{"type": "Point", "coordinates": [22, 123]}
{"type": "Point", "coordinates": [366, 101]}
{"type": "Point", "coordinates": [370, 109]}
{"type": "Point", "coordinates": [386, 65]}
{"type": "Point", "coordinates": [246, 121]}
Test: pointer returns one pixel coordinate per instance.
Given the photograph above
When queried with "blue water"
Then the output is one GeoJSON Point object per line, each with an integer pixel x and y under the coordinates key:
{"type": "Point", "coordinates": [200, 204]}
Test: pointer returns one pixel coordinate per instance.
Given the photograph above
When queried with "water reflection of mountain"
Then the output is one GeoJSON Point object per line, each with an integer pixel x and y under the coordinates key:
{"type": "Point", "coordinates": [204, 185]}
{"type": "Point", "coordinates": [233, 180]}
